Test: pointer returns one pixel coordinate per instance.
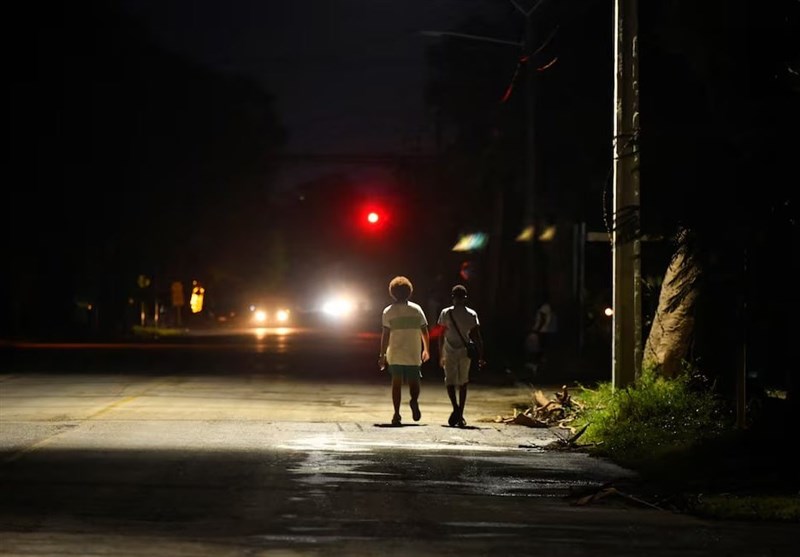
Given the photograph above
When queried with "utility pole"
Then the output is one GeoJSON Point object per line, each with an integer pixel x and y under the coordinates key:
{"type": "Point", "coordinates": [531, 201]}
{"type": "Point", "coordinates": [626, 233]}
{"type": "Point", "coordinates": [536, 276]}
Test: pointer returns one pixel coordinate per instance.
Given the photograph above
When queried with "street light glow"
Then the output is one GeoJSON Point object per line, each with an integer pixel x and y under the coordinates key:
{"type": "Point", "coordinates": [338, 307]}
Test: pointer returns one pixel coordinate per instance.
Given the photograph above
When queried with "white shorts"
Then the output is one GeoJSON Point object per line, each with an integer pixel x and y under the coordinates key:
{"type": "Point", "coordinates": [456, 367]}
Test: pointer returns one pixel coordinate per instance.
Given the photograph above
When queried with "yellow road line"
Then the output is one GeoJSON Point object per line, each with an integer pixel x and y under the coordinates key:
{"type": "Point", "coordinates": [117, 403]}
{"type": "Point", "coordinates": [112, 406]}
{"type": "Point", "coordinates": [22, 452]}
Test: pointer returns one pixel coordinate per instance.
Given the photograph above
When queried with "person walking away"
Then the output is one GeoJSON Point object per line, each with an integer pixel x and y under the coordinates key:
{"type": "Point", "coordinates": [404, 332]}
{"type": "Point", "coordinates": [459, 324]}
{"type": "Point", "coordinates": [533, 352]}
{"type": "Point", "coordinates": [540, 340]}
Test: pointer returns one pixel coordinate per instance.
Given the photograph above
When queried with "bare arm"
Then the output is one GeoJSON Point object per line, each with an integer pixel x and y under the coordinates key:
{"type": "Point", "coordinates": [475, 334]}
{"type": "Point", "coordinates": [441, 348]}
{"type": "Point", "coordinates": [426, 343]}
{"type": "Point", "coordinates": [385, 332]}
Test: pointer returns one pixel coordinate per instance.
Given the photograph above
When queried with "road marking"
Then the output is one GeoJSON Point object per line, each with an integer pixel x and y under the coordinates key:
{"type": "Point", "coordinates": [29, 449]}
{"type": "Point", "coordinates": [113, 405]}
{"type": "Point", "coordinates": [116, 404]}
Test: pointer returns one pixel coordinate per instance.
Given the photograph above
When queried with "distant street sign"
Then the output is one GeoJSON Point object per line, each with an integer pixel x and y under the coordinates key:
{"type": "Point", "coordinates": [177, 294]}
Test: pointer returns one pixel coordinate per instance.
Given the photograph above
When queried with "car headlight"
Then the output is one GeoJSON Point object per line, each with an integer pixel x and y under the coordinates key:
{"type": "Point", "coordinates": [338, 307]}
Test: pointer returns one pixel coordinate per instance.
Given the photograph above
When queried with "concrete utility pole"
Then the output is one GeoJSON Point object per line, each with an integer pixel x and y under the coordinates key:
{"type": "Point", "coordinates": [531, 201]}
{"type": "Point", "coordinates": [627, 334]}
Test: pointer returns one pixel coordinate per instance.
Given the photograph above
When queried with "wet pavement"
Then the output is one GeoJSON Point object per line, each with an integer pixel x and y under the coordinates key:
{"type": "Point", "coordinates": [239, 460]}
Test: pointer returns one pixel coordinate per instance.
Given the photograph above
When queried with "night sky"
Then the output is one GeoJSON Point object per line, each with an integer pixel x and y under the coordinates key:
{"type": "Point", "coordinates": [347, 76]}
{"type": "Point", "coordinates": [153, 137]}
{"type": "Point", "coordinates": [367, 57]}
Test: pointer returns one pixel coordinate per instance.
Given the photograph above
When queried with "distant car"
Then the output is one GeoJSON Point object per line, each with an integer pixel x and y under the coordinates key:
{"type": "Point", "coordinates": [346, 310]}
{"type": "Point", "coordinates": [269, 314]}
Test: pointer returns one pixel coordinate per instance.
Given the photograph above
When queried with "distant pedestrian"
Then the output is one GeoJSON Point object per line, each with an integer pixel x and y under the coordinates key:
{"type": "Point", "coordinates": [460, 324]}
{"type": "Point", "coordinates": [540, 338]}
{"type": "Point", "coordinates": [405, 345]}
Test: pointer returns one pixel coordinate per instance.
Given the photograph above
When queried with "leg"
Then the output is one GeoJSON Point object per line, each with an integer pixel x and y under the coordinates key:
{"type": "Point", "coordinates": [462, 397]}
{"type": "Point", "coordinates": [532, 365]}
{"type": "Point", "coordinates": [462, 401]}
{"type": "Point", "coordinates": [397, 385]}
{"type": "Point", "coordinates": [451, 393]}
{"type": "Point", "coordinates": [454, 416]}
{"type": "Point", "coordinates": [541, 364]}
{"type": "Point", "coordinates": [413, 391]}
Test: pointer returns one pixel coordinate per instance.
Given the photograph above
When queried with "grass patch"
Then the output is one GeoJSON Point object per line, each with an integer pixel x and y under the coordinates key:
{"type": "Point", "coordinates": [643, 423]}
{"type": "Point", "coordinates": [735, 507]}
{"type": "Point", "coordinates": [679, 436]}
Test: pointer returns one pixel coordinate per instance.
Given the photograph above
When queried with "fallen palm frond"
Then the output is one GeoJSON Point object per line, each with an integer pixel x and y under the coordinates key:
{"type": "Point", "coordinates": [570, 442]}
{"type": "Point", "coordinates": [545, 412]}
{"type": "Point", "coordinates": [606, 491]}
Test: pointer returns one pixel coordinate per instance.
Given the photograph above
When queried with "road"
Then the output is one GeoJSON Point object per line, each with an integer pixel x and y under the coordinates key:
{"type": "Point", "coordinates": [280, 444]}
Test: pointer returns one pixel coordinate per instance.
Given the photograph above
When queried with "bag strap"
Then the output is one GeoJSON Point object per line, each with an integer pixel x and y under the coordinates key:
{"type": "Point", "coordinates": [453, 319]}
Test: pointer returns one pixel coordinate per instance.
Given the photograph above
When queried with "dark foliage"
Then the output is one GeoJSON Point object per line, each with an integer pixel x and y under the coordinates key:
{"type": "Point", "coordinates": [720, 106]}
{"type": "Point", "coordinates": [127, 160]}
{"type": "Point", "coordinates": [720, 97]}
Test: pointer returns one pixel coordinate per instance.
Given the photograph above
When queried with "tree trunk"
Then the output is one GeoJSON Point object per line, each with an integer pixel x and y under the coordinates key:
{"type": "Point", "coordinates": [673, 325]}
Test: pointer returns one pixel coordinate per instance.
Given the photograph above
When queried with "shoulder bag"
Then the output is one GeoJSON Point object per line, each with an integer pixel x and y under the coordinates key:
{"type": "Point", "coordinates": [472, 348]}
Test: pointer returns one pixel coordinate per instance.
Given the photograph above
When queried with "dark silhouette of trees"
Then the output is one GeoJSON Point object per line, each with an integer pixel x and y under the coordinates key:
{"type": "Point", "coordinates": [720, 101]}
{"type": "Point", "coordinates": [478, 95]}
{"type": "Point", "coordinates": [719, 113]}
{"type": "Point", "coordinates": [127, 159]}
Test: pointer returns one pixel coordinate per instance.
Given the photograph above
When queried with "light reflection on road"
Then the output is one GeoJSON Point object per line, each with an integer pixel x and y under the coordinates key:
{"type": "Point", "coordinates": [272, 339]}
{"type": "Point", "coordinates": [336, 445]}
{"type": "Point", "coordinates": [223, 339]}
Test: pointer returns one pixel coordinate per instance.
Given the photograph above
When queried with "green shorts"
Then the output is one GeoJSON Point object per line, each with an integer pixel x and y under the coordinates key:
{"type": "Point", "coordinates": [406, 373]}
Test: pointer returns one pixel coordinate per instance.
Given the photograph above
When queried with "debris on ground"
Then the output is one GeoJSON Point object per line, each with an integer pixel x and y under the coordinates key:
{"type": "Point", "coordinates": [609, 490]}
{"type": "Point", "coordinates": [557, 411]}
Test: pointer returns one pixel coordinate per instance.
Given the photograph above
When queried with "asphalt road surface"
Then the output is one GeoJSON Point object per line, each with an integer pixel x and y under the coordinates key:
{"type": "Point", "coordinates": [280, 444]}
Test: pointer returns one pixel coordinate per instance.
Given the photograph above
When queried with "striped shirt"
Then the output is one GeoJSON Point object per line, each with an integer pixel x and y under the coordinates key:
{"type": "Point", "coordinates": [405, 321]}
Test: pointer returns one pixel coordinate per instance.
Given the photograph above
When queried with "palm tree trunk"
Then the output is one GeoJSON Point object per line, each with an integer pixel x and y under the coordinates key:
{"type": "Point", "coordinates": [673, 325]}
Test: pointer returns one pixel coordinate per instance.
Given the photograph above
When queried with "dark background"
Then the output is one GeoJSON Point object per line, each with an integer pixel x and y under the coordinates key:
{"type": "Point", "coordinates": [238, 145]}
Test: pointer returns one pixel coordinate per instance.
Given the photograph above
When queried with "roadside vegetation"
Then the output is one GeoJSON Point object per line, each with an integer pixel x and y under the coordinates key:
{"type": "Point", "coordinates": [655, 418]}
{"type": "Point", "coordinates": [681, 439]}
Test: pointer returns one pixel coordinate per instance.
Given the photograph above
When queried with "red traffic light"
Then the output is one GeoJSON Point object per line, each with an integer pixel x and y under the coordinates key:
{"type": "Point", "coordinates": [373, 217]}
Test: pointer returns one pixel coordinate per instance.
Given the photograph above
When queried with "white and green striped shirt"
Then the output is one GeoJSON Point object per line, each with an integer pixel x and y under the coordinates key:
{"type": "Point", "coordinates": [405, 320]}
